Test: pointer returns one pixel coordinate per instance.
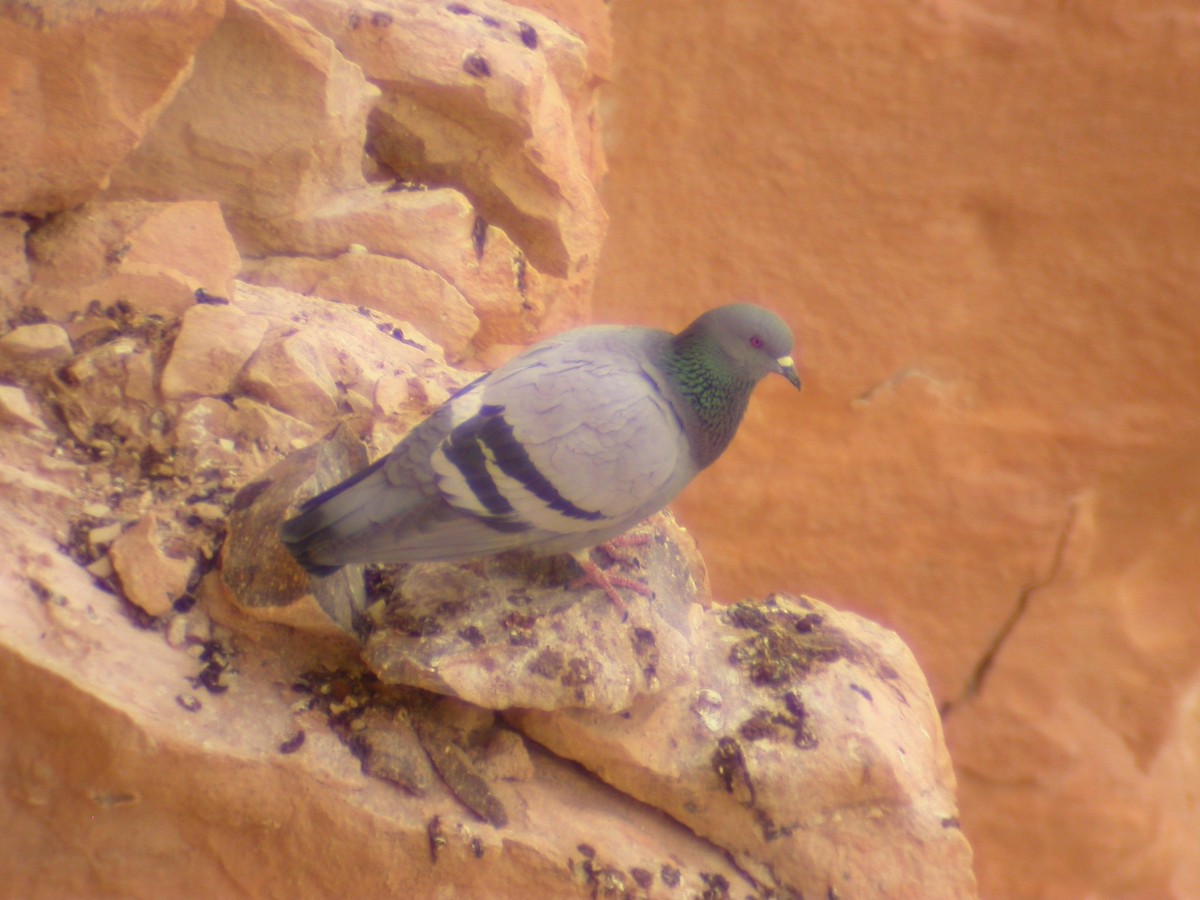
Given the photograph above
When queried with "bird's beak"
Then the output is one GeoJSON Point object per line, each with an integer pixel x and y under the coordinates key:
{"type": "Point", "coordinates": [787, 368]}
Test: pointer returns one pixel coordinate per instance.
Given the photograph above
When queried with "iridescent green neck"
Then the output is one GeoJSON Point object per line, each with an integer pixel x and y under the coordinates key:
{"type": "Point", "coordinates": [714, 396]}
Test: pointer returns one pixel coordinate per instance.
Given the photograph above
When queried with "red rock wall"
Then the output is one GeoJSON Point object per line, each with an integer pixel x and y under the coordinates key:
{"type": "Point", "coordinates": [981, 220]}
{"type": "Point", "coordinates": [230, 229]}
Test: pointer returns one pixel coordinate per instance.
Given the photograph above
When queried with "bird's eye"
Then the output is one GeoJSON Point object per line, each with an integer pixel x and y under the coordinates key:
{"type": "Point", "coordinates": [756, 342]}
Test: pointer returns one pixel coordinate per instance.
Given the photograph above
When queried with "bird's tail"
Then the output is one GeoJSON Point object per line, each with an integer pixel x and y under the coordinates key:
{"type": "Point", "coordinates": [325, 525]}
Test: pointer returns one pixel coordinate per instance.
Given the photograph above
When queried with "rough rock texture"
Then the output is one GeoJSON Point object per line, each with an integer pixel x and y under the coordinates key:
{"type": "Point", "coordinates": [798, 734]}
{"type": "Point", "coordinates": [270, 123]}
{"type": "Point", "coordinates": [16, 409]}
{"type": "Point", "coordinates": [980, 219]}
{"type": "Point", "coordinates": [466, 102]}
{"type": "Point", "coordinates": [243, 248]}
{"type": "Point", "coordinates": [153, 256]}
{"type": "Point", "coordinates": [273, 124]}
{"type": "Point", "coordinates": [34, 349]}
{"type": "Point", "coordinates": [195, 787]}
{"type": "Point", "coordinates": [81, 84]}
{"type": "Point", "coordinates": [396, 287]}
{"type": "Point", "coordinates": [148, 575]}
{"type": "Point", "coordinates": [504, 634]}
{"type": "Point", "coordinates": [438, 230]}
{"type": "Point", "coordinates": [257, 571]}
{"type": "Point", "coordinates": [14, 267]}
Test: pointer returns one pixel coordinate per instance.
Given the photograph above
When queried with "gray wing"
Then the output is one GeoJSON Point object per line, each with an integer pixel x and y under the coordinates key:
{"type": "Point", "coordinates": [576, 438]}
{"type": "Point", "coordinates": [568, 444]}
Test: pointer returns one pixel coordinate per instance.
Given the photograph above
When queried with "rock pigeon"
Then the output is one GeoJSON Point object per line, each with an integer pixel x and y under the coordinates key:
{"type": "Point", "coordinates": [563, 448]}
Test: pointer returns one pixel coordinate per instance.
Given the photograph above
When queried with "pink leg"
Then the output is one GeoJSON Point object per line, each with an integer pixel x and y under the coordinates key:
{"type": "Point", "coordinates": [617, 546]}
{"type": "Point", "coordinates": [594, 576]}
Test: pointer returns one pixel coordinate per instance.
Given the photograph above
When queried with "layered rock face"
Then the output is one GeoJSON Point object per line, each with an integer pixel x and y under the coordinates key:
{"type": "Point", "coordinates": [245, 246]}
{"type": "Point", "coordinates": [980, 218]}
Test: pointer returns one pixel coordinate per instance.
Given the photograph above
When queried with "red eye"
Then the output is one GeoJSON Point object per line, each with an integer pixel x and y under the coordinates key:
{"type": "Point", "coordinates": [756, 342]}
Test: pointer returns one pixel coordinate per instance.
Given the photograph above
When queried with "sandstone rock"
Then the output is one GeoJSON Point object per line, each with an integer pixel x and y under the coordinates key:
{"type": "Point", "coordinates": [455, 765]}
{"type": "Point", "coordinates": [437, 230]}
{"type": "Point", "coordinates": [99, 378]}
{"type": "Point", "coordinates": [200, 148]}
{"type": "Point", "coordinates": [395, 287]}
{"type": "Point", "coordinates": [83, 82]}
{"type": "Point", "coordinates": [392, 392]}
{"type": "Point", "coordinates": [509, 632]}
{"type": "Point", "coordinates": [153, 257]}
{"type": "Point", "coordinates": [150, 575]}
{"type": "Point", "coordinates": [589, 22]}
{"type": "Point", "coordinates": [505, 756]}
{"type": "Point", "coordinates": [181, 740]}
{"type": "Point", "coordinates": [777, 690]}
{"type": "Point", "coordinates": [298, 360]}
{"type": "Point", "coordinates": [32, 349]}
{"type": "Point", "coordinates": [258, 574]}
{"type": "Point", "coordinates": [350, 351]}
{"type": "Point", "coordinates": [99, 538]}
{"type": "Point", "coordinates": [392, 750]}
{"type": "Point", "coordinates": [288, 373]}
{"type": "Point", "coordinates": [271, 123]}
{"type": "Point", "coordinates": [14, 267]}
{"type": "Point", "coordinates": [107, 399]}
{"type": "Point", "coordinates": [214, 343]}
{"type": "Point", "coordinates": [16, 408]}
{"type": "Point", "coordinates": [1048, 715]}
{"type": "Point", "coordinates": [470, 99]}
{"type": "Point", "coordinates": [31, 488]}
{"type": "Point", "coordinates": [319, 358]}
{"type": "Point", "coordinates": [792, 730]}
{"type": "Point", "coordinates": [238, 439]}
{"type": "Point", "coordinates": [224, 770]}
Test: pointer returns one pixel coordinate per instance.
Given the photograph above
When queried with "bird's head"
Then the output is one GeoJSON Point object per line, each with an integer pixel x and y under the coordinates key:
{"type": "Point", "coordinates": [755, 341]}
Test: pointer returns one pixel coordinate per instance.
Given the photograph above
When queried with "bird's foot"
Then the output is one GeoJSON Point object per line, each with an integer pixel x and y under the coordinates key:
{"type": "Point", "coordinates": [594, 576]}
{"type": "Point", "coordinates": [617, 547]}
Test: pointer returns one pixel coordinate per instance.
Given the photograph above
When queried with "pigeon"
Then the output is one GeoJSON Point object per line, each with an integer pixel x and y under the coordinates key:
{"type": "Point", "coordinates": [565, 447]}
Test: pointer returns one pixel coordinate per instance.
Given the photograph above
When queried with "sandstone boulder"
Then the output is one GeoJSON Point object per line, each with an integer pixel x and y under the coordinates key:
{"type": "Point", "coordinates": [153, 257]}
{"type": "Point", "coordinates": [83, 83]}
{"type": "Point", "coordinates": [270, 124]}
{"type": "Point", "coordinates": [395, 287]}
